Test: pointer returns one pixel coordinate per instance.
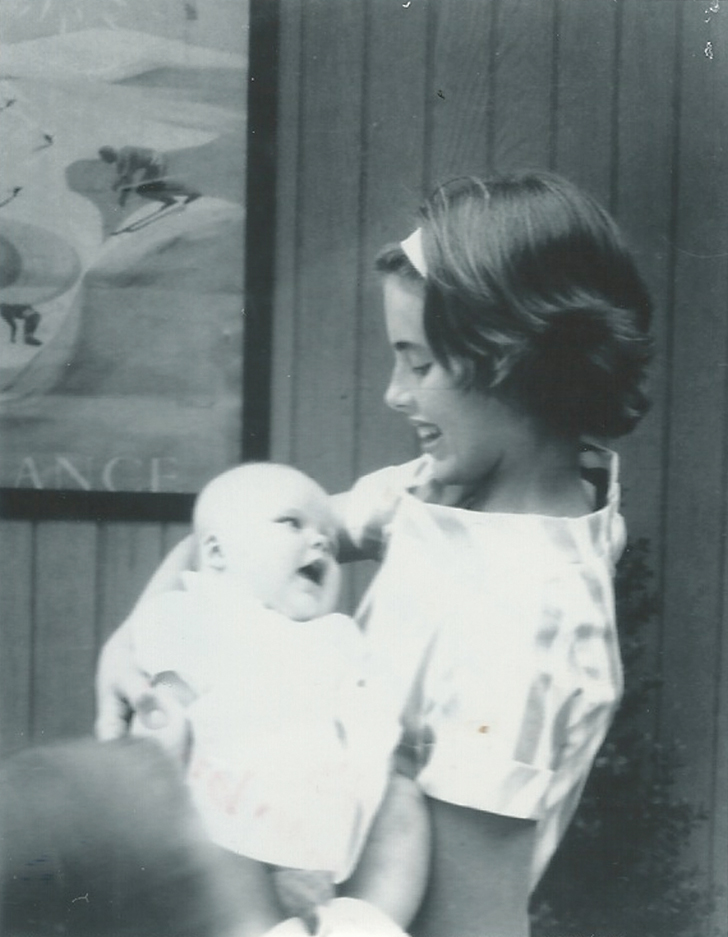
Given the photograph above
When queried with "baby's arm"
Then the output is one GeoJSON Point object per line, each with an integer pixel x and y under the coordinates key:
{"type": "Point", "coordinates": [367, 509]}
{"type": "Point", "coordinates": [393, 870]}
{"type": "Point", "coordinates": [361, 543]}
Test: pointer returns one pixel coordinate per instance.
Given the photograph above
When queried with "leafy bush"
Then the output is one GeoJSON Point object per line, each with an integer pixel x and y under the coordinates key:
{"type": "Point", "coordinates": [619, 871]}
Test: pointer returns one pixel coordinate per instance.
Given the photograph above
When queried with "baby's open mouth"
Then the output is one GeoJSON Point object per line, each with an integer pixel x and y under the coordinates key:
{"type": "Point", "coordinates": [314, 572]}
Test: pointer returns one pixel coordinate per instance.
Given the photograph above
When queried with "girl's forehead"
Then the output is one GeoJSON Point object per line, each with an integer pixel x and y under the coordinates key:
{"type": "Point", "coordinates": [404, 304]}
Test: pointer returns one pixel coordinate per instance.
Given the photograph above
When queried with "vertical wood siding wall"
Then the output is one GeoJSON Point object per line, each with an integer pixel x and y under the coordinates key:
{"type": "Point", "coordinates": [64, 586]}
{"type": "Point", "coordinates": [378, 100]}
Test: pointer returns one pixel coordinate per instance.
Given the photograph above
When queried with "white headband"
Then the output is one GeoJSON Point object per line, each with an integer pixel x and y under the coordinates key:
{"type": "Point", "coordinates": [412, 246]}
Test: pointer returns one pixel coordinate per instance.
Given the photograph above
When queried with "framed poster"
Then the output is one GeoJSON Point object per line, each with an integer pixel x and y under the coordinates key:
{"type": "Point", "coordinates": [123, 131]}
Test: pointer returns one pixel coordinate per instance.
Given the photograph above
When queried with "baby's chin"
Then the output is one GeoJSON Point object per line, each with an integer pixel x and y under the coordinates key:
{"type": "Point", "coordinates": [309, 615]}
{"type": "Point", "coordinates": [305, 609]}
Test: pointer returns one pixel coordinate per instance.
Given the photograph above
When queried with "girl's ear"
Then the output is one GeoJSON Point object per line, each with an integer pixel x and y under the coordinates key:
{"type": "Point", "coordinates": [212, 554]}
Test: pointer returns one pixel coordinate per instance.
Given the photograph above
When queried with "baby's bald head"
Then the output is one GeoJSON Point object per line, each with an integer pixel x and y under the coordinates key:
{"type": "Point", "coordinates": [231, 497]}
{"type": "Point", "coordinates": [273, 528]}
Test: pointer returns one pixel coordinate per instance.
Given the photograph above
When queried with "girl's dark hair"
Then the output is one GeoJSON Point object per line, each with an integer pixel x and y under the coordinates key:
{"type": "Point", "coordinates": [530, 286]}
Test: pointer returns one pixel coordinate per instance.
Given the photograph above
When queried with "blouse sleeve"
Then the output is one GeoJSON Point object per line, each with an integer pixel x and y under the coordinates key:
{"type": "Point", "coordinates": [515, 724]}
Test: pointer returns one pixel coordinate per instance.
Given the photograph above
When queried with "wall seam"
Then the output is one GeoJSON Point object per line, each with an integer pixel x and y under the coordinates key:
{"type": "Point", "coordinates": [615, 106]}
{"type": "Point", "coordinates": [33, 642]}
{"type": "Point", "coordinates": [364, 126]}
{"type": "Point", "coordinates": [429, 121]}
{"type": "Point", "coordinates": [670, 298]}
{"type": "Point", "coordinates": [555, 49]}
{"type": "Point", "coordinates": [298, 232]}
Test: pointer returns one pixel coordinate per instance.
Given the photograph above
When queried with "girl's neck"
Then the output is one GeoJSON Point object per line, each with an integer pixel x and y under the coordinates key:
{"type": "Point", "coordinates": [542, 477]}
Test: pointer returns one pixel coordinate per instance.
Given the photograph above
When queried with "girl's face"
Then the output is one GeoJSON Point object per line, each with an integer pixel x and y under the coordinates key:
{"type": "Point", "coordinates": [467, 433]}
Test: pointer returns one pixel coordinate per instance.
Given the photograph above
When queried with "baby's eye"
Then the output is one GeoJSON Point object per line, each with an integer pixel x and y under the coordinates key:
{"type": "Point", "coordinates": [290, 520]}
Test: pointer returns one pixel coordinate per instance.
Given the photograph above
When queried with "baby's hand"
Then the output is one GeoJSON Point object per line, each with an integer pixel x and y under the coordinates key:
{"type": "Point", "coordinates": [161, 714]}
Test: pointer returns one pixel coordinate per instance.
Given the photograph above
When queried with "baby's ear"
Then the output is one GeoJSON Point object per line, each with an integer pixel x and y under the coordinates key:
{"type": "Point", "coordinates": [211, 554]}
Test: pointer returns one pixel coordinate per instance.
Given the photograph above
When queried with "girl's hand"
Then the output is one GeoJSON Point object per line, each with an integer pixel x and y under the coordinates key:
{"type": "Point", "coordinates": [161, 714]}
{"type": "Point", "coordinates": [118, 679]}
{"type": "Point", "coordinates": [118, 683]}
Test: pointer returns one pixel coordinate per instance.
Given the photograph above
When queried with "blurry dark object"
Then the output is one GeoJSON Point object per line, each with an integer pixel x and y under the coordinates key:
{"type": "Point", "coordinates": [98, 839]}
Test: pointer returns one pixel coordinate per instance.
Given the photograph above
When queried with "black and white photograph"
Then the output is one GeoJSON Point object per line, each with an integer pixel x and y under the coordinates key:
{"type": "Point", "coordinates": [363, 461]}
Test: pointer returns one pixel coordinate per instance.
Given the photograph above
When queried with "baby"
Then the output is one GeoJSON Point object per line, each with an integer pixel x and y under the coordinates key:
{"type": "Point", "coordinates": [258, 687]}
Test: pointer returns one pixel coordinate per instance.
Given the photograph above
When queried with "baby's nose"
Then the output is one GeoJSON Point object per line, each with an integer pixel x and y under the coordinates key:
{"type": "Point", "coordinates": [318, 540]}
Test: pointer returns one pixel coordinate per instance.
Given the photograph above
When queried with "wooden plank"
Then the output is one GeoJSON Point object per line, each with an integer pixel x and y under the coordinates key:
{"type": "Point", "coordinates": [586, 83]}
{"type": "Point", "coordinates": [695, 520]}
{"type": "Point", "coordinates": [644, 206]}
{"type": "Point", "coordinates": [719, 824]}
{"type": "Point", "coordinates": [128, 554]}
{"type": "Point", "coordinates": [710, 37]}
{"type": "Point", "coordinates": [394, 180]}
{"type": "Point", "coordinates": [289, 144]}
{"type": "Point", "coordinates": [65, 633]}
{"type": "Point", "coordinates": [394, 175]}
{"type": "Point", "coordinates": [718, 859]}
{"type": "Point", "coordinates": [523, 89]}
{"type": "Point", "coordinates": [459, 97]}
{"type": "Point", "coordinates": [329, 178]}
{"type": "Point", "coordinates": [17, 586]}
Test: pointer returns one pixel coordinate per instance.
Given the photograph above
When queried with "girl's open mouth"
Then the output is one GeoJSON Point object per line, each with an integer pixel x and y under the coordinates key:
{"type": "Point", "coordinates": [427, 433]}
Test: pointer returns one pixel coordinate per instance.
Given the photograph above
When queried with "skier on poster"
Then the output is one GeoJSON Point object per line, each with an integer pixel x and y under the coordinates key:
{"type": "Point", "coordinates": [21, 313]}
{"type": "Point", "coordinates": [143, 171]}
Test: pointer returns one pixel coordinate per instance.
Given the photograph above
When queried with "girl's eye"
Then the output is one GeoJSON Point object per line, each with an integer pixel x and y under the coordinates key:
{"type": "Point", "coordinates": [289, 520]}
{"type": "Point", "coordinates": [421, 369]}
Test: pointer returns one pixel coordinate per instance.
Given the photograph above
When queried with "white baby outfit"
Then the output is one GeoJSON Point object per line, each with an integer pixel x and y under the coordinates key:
{"type": "Point", "coordinates": [285, 766]}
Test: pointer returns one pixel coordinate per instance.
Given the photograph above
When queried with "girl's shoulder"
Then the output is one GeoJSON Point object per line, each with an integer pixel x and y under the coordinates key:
{"type": "Point", "coordinates": [541, 541]}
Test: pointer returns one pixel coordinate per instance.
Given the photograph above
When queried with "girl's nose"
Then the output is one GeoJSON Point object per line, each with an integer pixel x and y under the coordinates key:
{"type": "Point", "coordinates": [398, 395]}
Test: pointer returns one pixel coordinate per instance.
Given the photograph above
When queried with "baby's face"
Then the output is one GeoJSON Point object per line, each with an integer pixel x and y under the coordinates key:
{"type": "Point", "coordinates": [282, 550]}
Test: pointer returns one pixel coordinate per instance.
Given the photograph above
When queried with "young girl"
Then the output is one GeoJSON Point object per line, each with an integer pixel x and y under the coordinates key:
{"type": "Point", "coordinates": [519, 326]}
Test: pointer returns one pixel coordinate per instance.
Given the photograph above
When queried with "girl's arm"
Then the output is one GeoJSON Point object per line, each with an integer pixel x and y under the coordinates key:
{"type": "Point", "coordinates": [166, 575]}
{"type": "Point", "coordinates": [393, 869]}
{"type": "Point", "coordinates": [480, 874]}
{"type": "Point", "coordinates": [119, 681]}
